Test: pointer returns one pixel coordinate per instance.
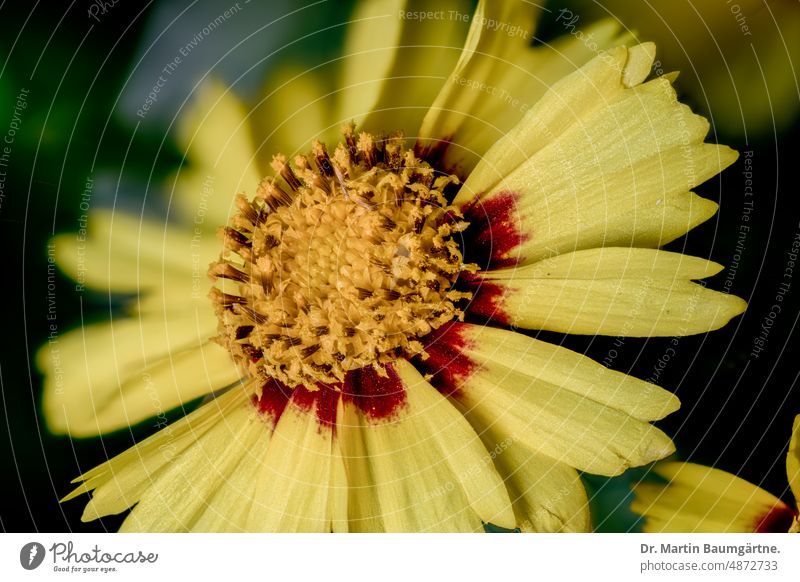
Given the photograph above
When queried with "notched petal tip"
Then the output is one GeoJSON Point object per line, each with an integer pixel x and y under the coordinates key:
{"type": "Point", "coordinates": [727, 307]}
{"type": "Point", "coordinates": [660, 447]}
{"type": "Point", "coordinates": [639, 64]}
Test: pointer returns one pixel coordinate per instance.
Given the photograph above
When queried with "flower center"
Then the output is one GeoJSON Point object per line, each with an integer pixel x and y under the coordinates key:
{"type": "Point", "coordinates": [339, 262]}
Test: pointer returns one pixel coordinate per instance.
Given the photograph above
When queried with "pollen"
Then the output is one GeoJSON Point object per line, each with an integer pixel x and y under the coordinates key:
{"type": "Point", "coordinates": [339, 262]}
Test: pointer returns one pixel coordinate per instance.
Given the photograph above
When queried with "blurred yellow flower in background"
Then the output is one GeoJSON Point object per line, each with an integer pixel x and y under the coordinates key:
{"type": "Point", "coordinates": [705, 500]}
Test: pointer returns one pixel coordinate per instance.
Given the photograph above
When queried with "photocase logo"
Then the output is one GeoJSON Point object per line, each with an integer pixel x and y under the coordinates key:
{"type": "Point", "coordinates": [31, 555]}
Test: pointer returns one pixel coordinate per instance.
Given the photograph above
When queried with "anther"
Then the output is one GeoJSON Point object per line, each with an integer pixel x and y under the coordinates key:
{"type": "Point", "coordinates": [292, 342]}
{"type": "Point", "coordinates": [322, 158]}
{"type": "Point", "coordinates": [246, 208]}
{"type": "Point", "coordinates": [226, 299]}
{"type": "Point", "coordinates": [254, 315]}
{"type": "Point", "coordinates": [309, 351]}
{"type": "Point", "coordinates": [349, 132]}
{"type": "Point", "coordinates": [243, 331]}
{"type": "Point", "coordinates": [226, 271]}
{"type": "Point", "coordinates": [369, 153]}
{"type": "Point", "coordinates": [232, 238]}
{"type": "Point", "coordinates": [285, 170]}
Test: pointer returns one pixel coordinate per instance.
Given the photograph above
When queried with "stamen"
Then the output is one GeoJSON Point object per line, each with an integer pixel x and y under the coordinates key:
{"type": "Point", "coordinates": [323, 161]}
{"type": "Point", "coordinates": [243, 331]}
{"type": "Point", "coordinates": [272, 194]}
{"type": "Point", "coordinates": [349, 132]}
{"type": "Point", "coordinates": [285, 170]}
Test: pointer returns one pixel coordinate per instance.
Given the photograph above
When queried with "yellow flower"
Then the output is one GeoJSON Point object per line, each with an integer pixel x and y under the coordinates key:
{"type": "Point", "coordinates": [359, 334]}
{"type": "Point", "coordinates": [702, 499]}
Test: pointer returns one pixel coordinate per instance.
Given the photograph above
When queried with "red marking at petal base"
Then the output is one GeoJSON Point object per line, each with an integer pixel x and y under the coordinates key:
{"type": "Point", "coordinates": [273, 399]}
{"type": "Point", "coordinates": [493, 231]}
{"type": "Point", "coordinates": [446, 361]}
{"type": "Point", "coordinates": [433, 153]}
{"type": "Point", "coordinates": [325, 399]}
{"type": "Point", "coordinates": [378, 397]}
{"type": "Point", "coordinates": [777, 520]}
{"type": "Point", "coordinates": [487, 301]}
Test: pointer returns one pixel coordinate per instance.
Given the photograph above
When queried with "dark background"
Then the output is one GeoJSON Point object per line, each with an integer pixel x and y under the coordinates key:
{"type": "Point", "coordinates": [83, 74]}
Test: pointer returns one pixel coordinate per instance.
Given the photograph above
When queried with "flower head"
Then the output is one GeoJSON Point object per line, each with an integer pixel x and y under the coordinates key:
{"type": "Point", "coordinates": [340, 262]}
{"type": "Point", "coordinates": [359, 338]}
{"type": "Point", "coordinates": [703, 499]}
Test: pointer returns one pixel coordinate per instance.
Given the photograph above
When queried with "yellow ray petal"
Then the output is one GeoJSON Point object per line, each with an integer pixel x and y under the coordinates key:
{"type": "Point", "coordinates": [425, 470]}
{"type": "Point", "coordinates": [701, 499]}
{"type": "Point", "coordinates": [372, 35]}
{"type": "Point", "coordinates": [120, 482]}
{"type": "Point", "coordinates": [215, 132]}
{"type": "Point", "coordinates": [339, 488]}
{"type": "Point", "coordinates": [718, 64]}
{"type": "Point", "coordinates": [614, 172]}
{"type": "Point", "coordinates": [489, 54]}
{"type": "Point", "coordinates": [365, 513]}
{"type": "Point", "coordinates": [639, 64]}
{"type": "Point", "coordinates": [183, 491]}
{"type": "Point", "coordinates": [396, 57]}
{"type": "Point", "coordinates": [487, 94]}
{"type": "Point", "coordinates": [608, 291]}
{"type": "Point", "coordinates": [293, 487]}
{"type": "Point", "coordinates": [547, 495]}
{"type": "Point", "coordinates": [529, 77]}
{"type": "Point", "coordinates": [427, 49]}
{"type": "Point", "coordinates": [594, 84]}
{"type": "Point", "coordinates": [228, 507]}
{"type": "Point", "coordinates": [570, 370]}
{"type": "Point", "coordinates": [296, 109]}
{"type": "Point", "coordinates": [107, 376]}
{"type": "Point", "coordinates": [544, 397]}
{"type": "Point", "coordinates": [123, 253]}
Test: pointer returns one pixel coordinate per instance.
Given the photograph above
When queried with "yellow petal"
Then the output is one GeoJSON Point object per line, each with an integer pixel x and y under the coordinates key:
{"type": "Point", "coordinates": [426, 52]}
{"type": "Point", "coordinates": [597, 82]}
{"type": "Point", "coordinates": [228, 506]}
{"type": "Point", "coordinates": [373, 34]}
{"type": "Point", "coordinates": [550, 400]}
{"type": "Point", "coordinates": [717, 65]}
{"type": "Point", "coordinates": [547, 495]}
{"type": "Point", "coordinates": [487, 54]}
{"type": "Point", "coordinates": [107, 376]}
{"type": "Point", "coordinates": [571, 371]}
{"type": "Point", "coordinates": [120, 253]}
{"type": "Point", "coordinates": [339, 487]}
{"type": "Point", "coordinates": [494, 86]}
{"type": "Point", "coordinates": [608, 291]}
{"type": "Point", "coordinates": [293, 487]}
{"type": "Point", "coordinates": [120, 482]}
{"type": "Point", "coordinates": [397, 56]}
{"type": "Point", "coordinates": [180, 494]}
{"type": "Point", "coordinates": [598, 164]}
{"type": "Point", "coordinates": [296, 109]}
{"type": "Point", "coordinates": [215, 132]}
{"type": "Point", "coordinates": [424, 470]}
{"type": "Point", "coordinates": [700, 499]}
{"type": "Point", "coordinates": [793, 461]}
{"type": "Point", "coordinates": [639, 64]}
